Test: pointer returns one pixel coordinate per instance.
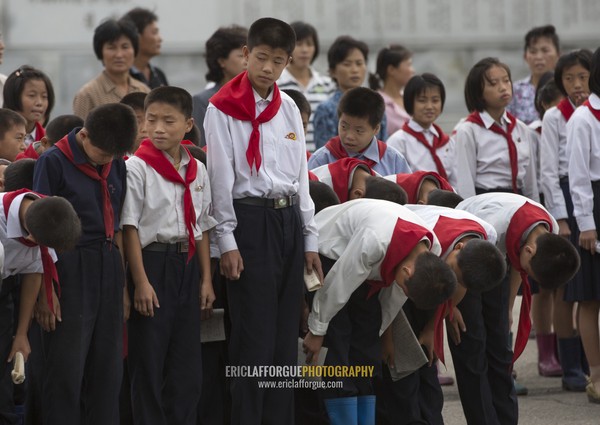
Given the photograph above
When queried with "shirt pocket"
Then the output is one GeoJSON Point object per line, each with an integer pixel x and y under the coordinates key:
{"type": "Point", "coordinates": [289, 151]}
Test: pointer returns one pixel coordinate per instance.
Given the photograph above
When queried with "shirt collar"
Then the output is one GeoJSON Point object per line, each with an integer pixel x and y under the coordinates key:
{"type": "Point", "coordinates": [594, 101]}
{"type": "Point", "coordinates": [372, 151]}
{"type": "Point", "coordinates": [488, 121]}
{"type": "Point", "coordinates": [14, 229]}
{"type": "Point", "coordinates": [258, 98]}
{"type": "Point", "coordinates": [417, 127]}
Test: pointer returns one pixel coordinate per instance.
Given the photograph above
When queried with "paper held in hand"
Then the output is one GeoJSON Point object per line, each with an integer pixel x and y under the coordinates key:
{"type": "Point", "coordinates": [18, 372]}
{"type": "Point", "coordinates": [312, 281]}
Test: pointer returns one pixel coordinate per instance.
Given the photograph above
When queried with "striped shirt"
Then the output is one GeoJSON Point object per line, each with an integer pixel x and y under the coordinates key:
{"type": "Point", "coordinates": [319, 89]}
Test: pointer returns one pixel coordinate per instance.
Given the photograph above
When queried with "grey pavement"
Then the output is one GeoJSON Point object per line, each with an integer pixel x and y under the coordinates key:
{"type": "Point", "coordinates": [546, 403]}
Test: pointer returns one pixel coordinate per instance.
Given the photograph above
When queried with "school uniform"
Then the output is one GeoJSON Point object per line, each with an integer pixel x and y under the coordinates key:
{"type": "Point", "coordinates": [339, 175]}
{"type": "Point", "coordinates": [418, 398]}
{"type": "Point", "coordinates": [88, 343]}
{"type": "Point", "coordinates": [426, 149]}
{"type": "Point", "coordinates": [319, 89]}
{"type": "Point", "coordinates": [583, 142]}
{"type": "Point", "coordinates": [367, 239]}
{"type": "Point", "coordinates": [411, 183]}
{"type": "Point", "coordinates": [483, 360]}
{"type": "Point", "coordinates": [262, 204]}
{"type": "Point", "coordinates": [36, 134]}
{"type": "Point", "coordinates": [378, 155]}
{"type": "Point", "coordinates": [487, 161]}
{"type": "Point", "coordinates": [22, 257]}
{"type": "Point", "coordinates": [164, 360]}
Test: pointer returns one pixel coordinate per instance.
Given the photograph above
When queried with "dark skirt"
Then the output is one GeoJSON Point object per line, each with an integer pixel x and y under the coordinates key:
{"type": "Point", "coordinates": [585, 286]}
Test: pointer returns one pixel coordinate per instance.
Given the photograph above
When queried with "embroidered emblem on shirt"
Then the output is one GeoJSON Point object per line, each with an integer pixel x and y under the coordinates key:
{"type": "Point", "coordinates": [291, 136]}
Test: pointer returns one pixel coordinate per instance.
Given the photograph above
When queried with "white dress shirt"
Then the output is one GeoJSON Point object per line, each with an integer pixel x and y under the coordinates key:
{"type": "Point", "coordinates": [283, 171]}
{"type": "Point", "coordinates": [498, 209]}
{"type": "Point", "coordinates": [554, 162]}
{"type": "Point", "coordinates": [18, 258]}
{"type": "Point", "coordinates": [418, 156]}
{"type": "Point", "coordinates": [482, 158]}
{"type": "Point", "coordinates": [432, 213]}
{"type": "Point", "coordinates": [154, 205]}
{"type": "Point", "coordinates": [583, 150]}
{"type": "Point", "coordinates": [357, 234]}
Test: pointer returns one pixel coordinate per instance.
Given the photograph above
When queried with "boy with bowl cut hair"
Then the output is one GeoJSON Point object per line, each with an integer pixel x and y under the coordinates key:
{"type": "Point", "coordinates": [360, 113]}
{"type": "Point", "coordinates": [87, 343]}
{"type": "Point", "coordinates": [168, 255]}
{"type": "Point", "coordinates": [266, 232]}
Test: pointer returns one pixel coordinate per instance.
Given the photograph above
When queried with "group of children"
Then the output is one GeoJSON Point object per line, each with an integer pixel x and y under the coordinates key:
{"type": "Point", "coordinates": [142, 241]}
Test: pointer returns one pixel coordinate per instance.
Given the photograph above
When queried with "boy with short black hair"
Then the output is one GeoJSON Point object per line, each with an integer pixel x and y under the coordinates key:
{"type": "Point", "coordinates": [360, 112]}
{"type": "Point", "coordinates": [136, 102]}
{"type": "Point", "coordinates": [169, 261]}
{"type": "Point", "coordinates": [87, 343]}
{"type": "Point", "coordinates": [26, 220]}
{"type": "Point", "coordinates": [322, 195]}
{"type": "Point", "coordinates": [12, 134]}
{"type": "Point", "coordinates": [257, 167]}
{"type": "Point", "coordinates": [55, 130]}
{"type": "Point", "coordinates": [19, 175]}
{"type": "Point", "coordinates": [443, 198]}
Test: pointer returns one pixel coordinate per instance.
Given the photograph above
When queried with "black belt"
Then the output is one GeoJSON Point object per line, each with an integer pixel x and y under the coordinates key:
{"type": "Point", "coordinates": [178, 247]}
{"type": "Point", "coordinates": [276, 203]}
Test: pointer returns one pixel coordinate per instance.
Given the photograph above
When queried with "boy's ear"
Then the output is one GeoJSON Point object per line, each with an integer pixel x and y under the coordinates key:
{"type": "Point", "coordinates": [45, 142]}
{"type": "Point", "coordinates": [356, 193]}
{"type": "Point", "coordinates": [245, 52]}
{"type": "Point", "coordinates": [189, 124]}
{"type": "Point", "coordinates": [377, 128]}
{"type": "Point", "coordinates": [459, 246]}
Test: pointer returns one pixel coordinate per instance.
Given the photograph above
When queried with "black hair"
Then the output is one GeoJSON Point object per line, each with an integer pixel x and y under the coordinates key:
{"type": "Point", "coordinates": [304, 31]}
{"type": "Point", "coordinates": [476, 81]}
{"type": "Point", "coordinates": [546, 92]}
{"type": "Point", "coordinates": [393, 55]}
{"type": "Point", "coordinates": [444, 198]}
{"type": "Point", "coordinates": [19, 175]}
{"type": "Point", "coordinates": [272, 32]}
{"type": "Point", "coordinates": [176, 97]}
{"type": "Point", "coordinates": [555, 261]}
{"type": "Point", "coordinates": [387, 190]}
{"type": "Point", "coordinates": [322, 195]}
{"type": "Point", "coordinates": [481, 264]}
{"type": "Point", "coordinates": [111, 30]}
{"type": "Point", "coordinates": [341, 48]}
{"type": "Point", "coordinates": [536, 33]}
{"type": "Point", "coordinates": [417, 86]}
{"type": "Point", "coordinates": [53, 222]}
{"type": "Point", "coordinates": [432, 281]}
{"type": "Point", "coordinates": [361, 102]}
{"type": "Point", "coordinates": [581, 57]}
{"type": "Point", "coordinates": [219, 46]}
{"type": "Point", "coordinates": [112, 128]}
{"type": "Point", "coordinates": [595, 73]}
{"type": "Point", "coordinates": [15, 84]}
{"type": "Point", "coordinates": [198, 153]}
{"type": "Point", "coordinates": [141, 18]}
{"type": "Point", "coordinates": [193, 135]}
{"type": "Point", "coordinates": [9, 119]}
{"type": "Point", "coordinates": [60, 126]}
{"type": "Point", "coordinates": [300, 100]}
{"type": "Point", "coordinates": [135, 100]}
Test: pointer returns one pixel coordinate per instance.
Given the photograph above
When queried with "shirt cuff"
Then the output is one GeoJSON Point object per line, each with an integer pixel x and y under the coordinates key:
{"type": "Point", "coordinates": [127, 220]}
{"type": "Point", "coordinates": [227, 243]}
{"type": "Point", "coordinates": [586, 223]}
{"type": "Point", "coordinates": [311, 243]}
{"type": "Point", "coordinates": [559, 212]}
{"type": "Point", "coordinates": [315, 326]}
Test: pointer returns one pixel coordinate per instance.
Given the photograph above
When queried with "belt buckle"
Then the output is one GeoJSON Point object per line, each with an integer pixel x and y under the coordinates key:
{"type": "Point", "coordinates": [183, 247]}
{"type": "Point", "coordinates": [283, 202]}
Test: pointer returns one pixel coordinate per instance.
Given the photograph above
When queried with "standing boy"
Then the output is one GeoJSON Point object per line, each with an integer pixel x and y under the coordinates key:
{"type": "Point", "coordinates": [168, 255]}
{"type": "Point", "coordinates": [84, 367]}
{"type": "Point", "coordinates": [266, 233]}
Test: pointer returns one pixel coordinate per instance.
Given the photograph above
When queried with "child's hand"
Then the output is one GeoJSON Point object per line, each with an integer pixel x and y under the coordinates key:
{"type": "Point", "coordinates": [145, 299]}
{"type": "Point", "coordinates": [587, 240]}
{"type": "Point", "coordinates": [563, 228]}
{"type": "Point", "coordinates": [126, 305]}
{"type": "Point", "coordinates": [313, 264]}
{"type": "Point", "coordinates": [207, 298]}
{"type": "Point", "coordinates": [312, 346]}
{"type": "Point", "coordinates": [232, 264]}
{"type": "Point", "coordinates": [580, 98]}
{"type": "Point", "coordinates": [20, 343]}
{"type": "Point", "coordinates": [44, 316]}
{"type": "Point", "coordinates": [304, 318]}
{"type": "Point", "coordinates": [455, 326]}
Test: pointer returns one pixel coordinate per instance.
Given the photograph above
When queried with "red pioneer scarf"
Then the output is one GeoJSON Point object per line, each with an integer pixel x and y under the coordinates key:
{"type": "Point", "coordinates": [438, 142]}
{"type": "Point", "coordinates": [566, 108]}
{"type": "Point", "coordinates": [334, 145]}
{"type": "Point", "coordinates": [341, 170]}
